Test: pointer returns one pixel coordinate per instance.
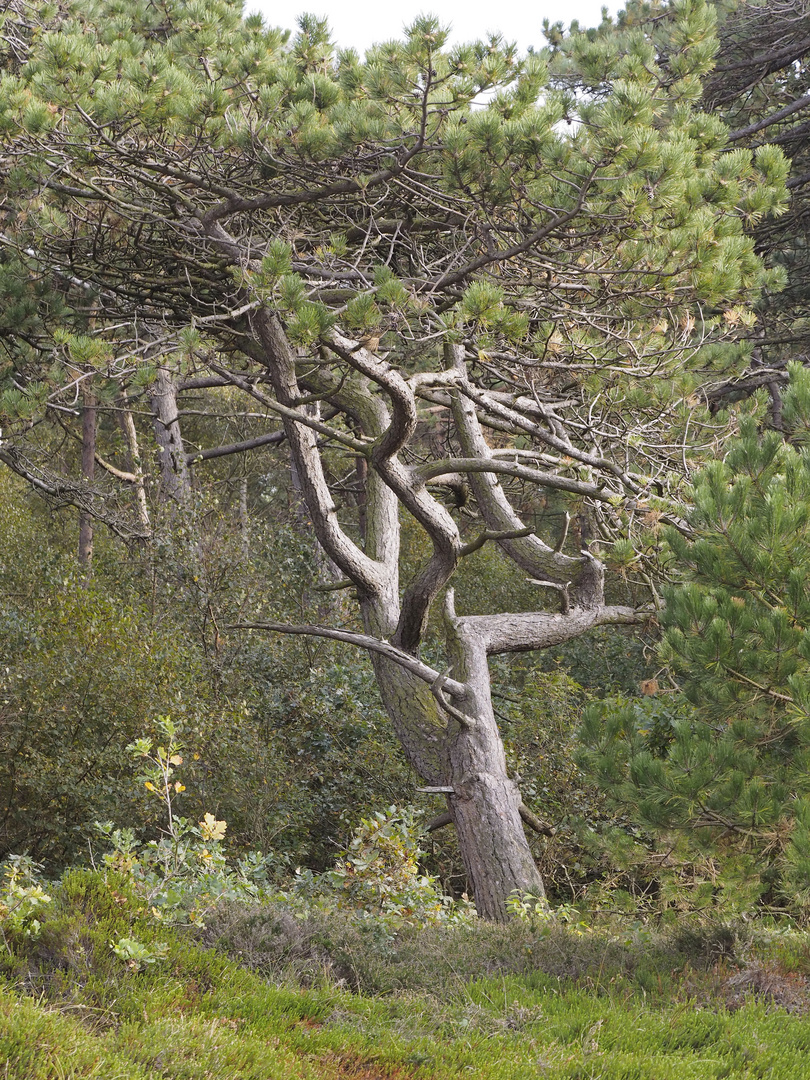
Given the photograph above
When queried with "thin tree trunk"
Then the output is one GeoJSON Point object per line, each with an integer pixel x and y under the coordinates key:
{"type": "Point", "coordinates": [134, 462]}
{"type": "Point", "coordinates": [244, 517]}
{"type": "Point", "coordinates": [89, 417]}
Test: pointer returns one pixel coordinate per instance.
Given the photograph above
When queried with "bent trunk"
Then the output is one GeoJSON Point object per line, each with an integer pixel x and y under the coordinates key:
{"type": "Point", "coordinates": [485, 803]}
{"type": "Point", "coordinates": [469, 758]}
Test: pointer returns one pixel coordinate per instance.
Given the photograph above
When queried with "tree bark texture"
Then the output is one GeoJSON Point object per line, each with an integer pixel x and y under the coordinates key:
{"type": "Point", "coordinates": [485, 803]}
{"type": "Point", "coordinates": [175, 483]}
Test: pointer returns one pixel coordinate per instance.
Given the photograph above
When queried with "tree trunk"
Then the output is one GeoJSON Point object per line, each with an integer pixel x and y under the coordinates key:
{"type": "Point", "coordinates": [467, 756]}
{"type": "Point", "coordinates": [85, 552]}
{"type": "Point", "coordinates": [174, 478]}
{"type": "Point", "coordinates": [485, 802]}
{"type": "Point", "coordinates": [133, 457]}
{"type": "Point", "coordinates": [485, 807]}
{"type": "Point", "coordinates": [453, 744]}
{"type": "Point", "coordinates": [416, 718]}
{"type": "Point", "coordinates": [244, 518]}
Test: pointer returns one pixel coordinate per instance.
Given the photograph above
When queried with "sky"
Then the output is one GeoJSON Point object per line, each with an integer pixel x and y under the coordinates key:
{"type": "Point", "coordinates": [360, 23]}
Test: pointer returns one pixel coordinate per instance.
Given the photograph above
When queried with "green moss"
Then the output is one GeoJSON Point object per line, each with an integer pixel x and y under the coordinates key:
{"type": "Point", "coordinates": [36, 1044]}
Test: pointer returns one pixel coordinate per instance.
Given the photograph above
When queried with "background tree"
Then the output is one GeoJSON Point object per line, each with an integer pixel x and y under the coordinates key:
{"type": "Point", "coordinates": [358, 252]}
{"type": "Point", "coordinates": [759, 87]}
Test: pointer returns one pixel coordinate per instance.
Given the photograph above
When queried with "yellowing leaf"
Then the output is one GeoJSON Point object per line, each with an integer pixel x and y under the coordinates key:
{"type": "Point", "coordinates": [175, 759]}
{"type": "Point", "coordinates": [213, 829]}
{"type": "Point", "coordinates": [149, 785]}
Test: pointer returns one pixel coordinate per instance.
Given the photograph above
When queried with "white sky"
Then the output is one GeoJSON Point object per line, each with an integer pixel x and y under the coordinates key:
{"type": "Point", "coordinates": [360, 23]}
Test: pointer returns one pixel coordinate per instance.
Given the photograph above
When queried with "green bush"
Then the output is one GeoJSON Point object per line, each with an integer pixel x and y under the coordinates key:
{"type": "Point", "coordinates": [288, 735]}
{"type": "Point", "coordinates": [185, 872]}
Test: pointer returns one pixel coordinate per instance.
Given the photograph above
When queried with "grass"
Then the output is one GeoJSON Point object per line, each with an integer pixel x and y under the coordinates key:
{"type": "Point", "coordinates": [327, 1002]}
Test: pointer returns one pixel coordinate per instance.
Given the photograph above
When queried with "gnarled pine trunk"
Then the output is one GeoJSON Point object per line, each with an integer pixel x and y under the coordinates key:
{"type": "Point", "coordinates": [467, 756]}
{"type": "Point", "coordinates": [452, 744]}
{"type": "Point", "coordinates": [485, 803]}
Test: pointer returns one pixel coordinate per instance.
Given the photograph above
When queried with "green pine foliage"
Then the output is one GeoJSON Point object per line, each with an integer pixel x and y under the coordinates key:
{"type": "Point", "coordinates": [607, 130]}
{"type": "Point", "coordinates": [721, 765]}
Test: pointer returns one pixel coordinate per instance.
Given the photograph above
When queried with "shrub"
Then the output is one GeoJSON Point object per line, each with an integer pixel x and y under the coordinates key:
{"type": "Point", "coordinates": [184, 873]}
{"type": "Point", "coordinates": [22, 897]}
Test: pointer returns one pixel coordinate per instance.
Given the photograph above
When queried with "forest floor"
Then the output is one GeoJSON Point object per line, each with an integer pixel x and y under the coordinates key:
{"type": "Point", "coordinates": [261, 997]}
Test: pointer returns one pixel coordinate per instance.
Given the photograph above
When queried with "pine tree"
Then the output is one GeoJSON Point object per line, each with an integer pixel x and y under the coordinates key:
{"type": "Point", "coordinates": [724, 762]}
{"type": "Point", "coordinates": [352, 250]}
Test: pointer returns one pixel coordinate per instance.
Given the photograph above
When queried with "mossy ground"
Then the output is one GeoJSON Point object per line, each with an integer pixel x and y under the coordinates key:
{"type": "Point", "coordinates": [496, 1003]}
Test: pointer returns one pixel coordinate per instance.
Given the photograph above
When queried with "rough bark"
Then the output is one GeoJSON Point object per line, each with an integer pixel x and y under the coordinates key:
{"type": "Point", "coordinates": [463, 750]}
{"type": "Point", "coordinates": [486, 802]}
{"type": "Point", "coordinates": [175, 483]}
{"type": "Point", "coordinates": [416, 718]}
{"type": "Point", "coordinates": [485, 805]}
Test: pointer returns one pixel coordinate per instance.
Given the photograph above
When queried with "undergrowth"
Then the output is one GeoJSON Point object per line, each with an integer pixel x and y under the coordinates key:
{"type": "Point", "coordinates": [168, 960]}
{"type": "Point", "coordinates": [261, 993]}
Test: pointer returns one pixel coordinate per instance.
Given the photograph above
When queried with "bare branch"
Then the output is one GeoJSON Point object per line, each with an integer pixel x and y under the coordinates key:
{"type": "Point", "coordinates": [365, 641]}
{"type": "Point", "coordinates": [534, 822]}
{"type": "Point", "coordinates": [293, 414]}
{"type": "Point", "coordinates": [524, 631]}
{"type": "Point", "coordinates": [272, 438]}
{"type": "Point", "coordinates": [529, 552]}
{"type": "Point", "coordinates": [437, 688]}
{"type": "Point", "coordinates": [487, 534]}
{"type": "Point", "coordinates": [411, 492]}
{"type": "Point", "coordinates": [774, 118]}
{"type": "Point", "coordinates": [63, 492]}
{"type": "Point", "coordinates": [522, 472]}
{"type": "Point", "coordinates": [560, 587]}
